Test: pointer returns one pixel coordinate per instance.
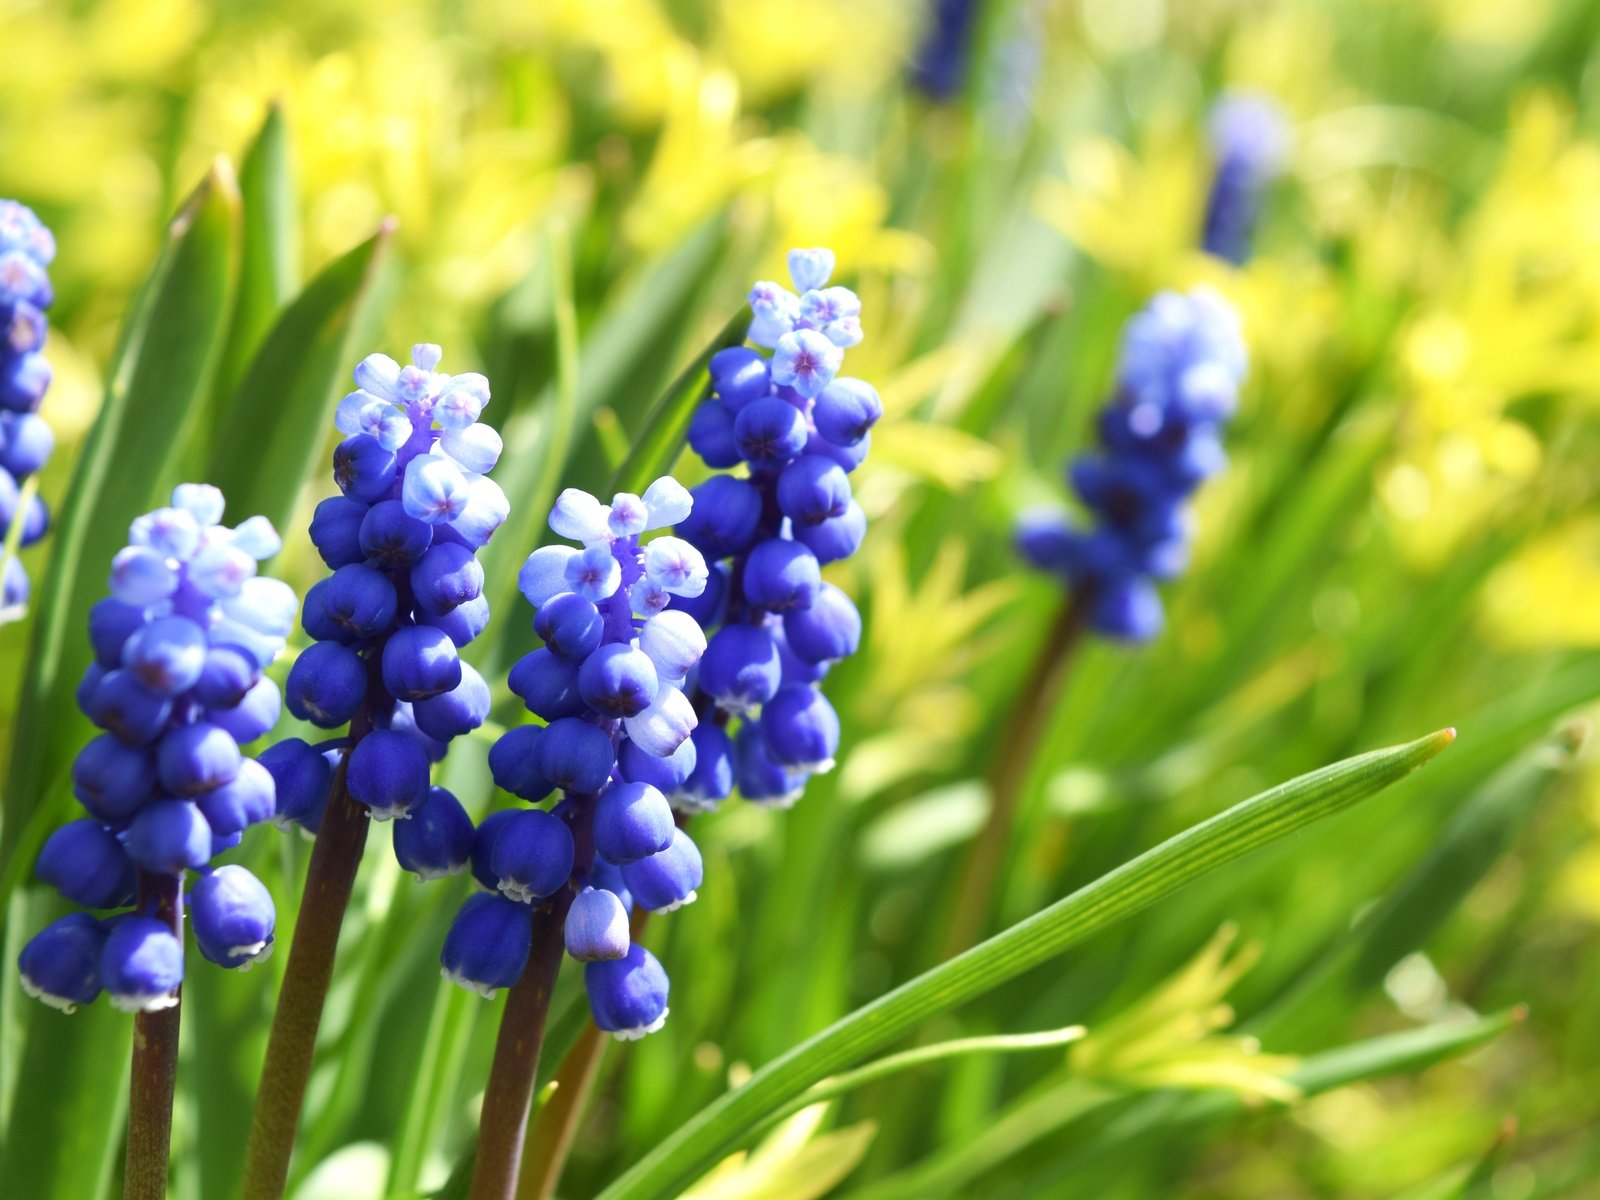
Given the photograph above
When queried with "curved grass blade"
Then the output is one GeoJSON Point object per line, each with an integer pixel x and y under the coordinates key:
{"type": "Point", "coordinates": [1477, 835]}
{"type": "Point", "coordinates": [269, 435]}
{"type": "Point", "coordinates": [269, 269]}
{"type": "Point", "coordinates": [1135, 885]}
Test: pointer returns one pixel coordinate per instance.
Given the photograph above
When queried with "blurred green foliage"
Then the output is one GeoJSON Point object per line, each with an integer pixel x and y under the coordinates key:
{"type": "Point", "coordinates": [1408, 538]}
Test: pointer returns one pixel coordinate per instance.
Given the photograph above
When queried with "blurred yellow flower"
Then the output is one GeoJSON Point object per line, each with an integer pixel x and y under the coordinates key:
{"type": "Point", "coordinates": [469, 184]}
{"type": "Point", "coordinates": [796, 1161]}
{"type": "Point", "coordinates": [1548, 594]}
{"type": "Point", "coordinates": [780, 186]}
{"type": "Point", "coordinates": [775, 48]}
{"type": "Point", "coordinates": [1514, 313]}
{"type": "Point", "coordinates": [1134, 213]}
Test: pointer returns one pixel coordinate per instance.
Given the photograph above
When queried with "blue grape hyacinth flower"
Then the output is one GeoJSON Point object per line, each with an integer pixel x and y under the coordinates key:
{"type": "Point", "coordinates": [944, 53]}
{"type": "Point", "coordinates": [405, 595]}
{"type": "Point", "coordinates": [26, 251]}
{"type": "Point", "coordinates": [608, 683]}
{"type": "Point", "coordinates": [177, 685]}
{"type": "Point", "coordinates": [777, 625]}
{"type": "Point", "coordinates": [1250, 142]}
{"type": "Point", "coordinates": [1181, 365]}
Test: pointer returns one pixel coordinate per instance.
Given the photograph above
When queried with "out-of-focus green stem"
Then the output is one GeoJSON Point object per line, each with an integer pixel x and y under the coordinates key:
{"type": "Point", "coordinates": [1000, 1043]}
{"type": "Point", "coordinates": [973, 898]}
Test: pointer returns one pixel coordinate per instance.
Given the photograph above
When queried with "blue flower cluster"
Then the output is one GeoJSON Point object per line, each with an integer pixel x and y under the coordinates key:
{"type": "Point", "coordinates": [1249, 142]}
{"type": "Point", "coordinates": [1178, 377]}
{"type": "Point", "coordinates": [26, 249]}
{"type": "Point", "coordinates": [799, 429]}
{"type": "Point", "coordinates": [609, 685]}
{"type": "Point", "coordinates": [939, 67]}
{"type": "Point", "coordinates": [177, 686]}
{"type": "Point", "coordinates": [405, 595]}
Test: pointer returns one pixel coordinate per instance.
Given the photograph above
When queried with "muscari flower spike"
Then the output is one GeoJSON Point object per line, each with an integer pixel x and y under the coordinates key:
{"type": "Point", "coordinates": [1181, 366]}
{"type": "Point", "coordinates": [608, 683]}
{"type": "Point", "coordinates": [26, 251]}
{"type": "Point", "coordinates": [406, 594]}
{"type": "Point", "coordinates": [177, 685]}
{"type": "Point", "coordinates": [1250, 142]}
{"type": "Point", "coordinates": [798, 429]}
{"type": "Point", "coordinates": [939, 67]}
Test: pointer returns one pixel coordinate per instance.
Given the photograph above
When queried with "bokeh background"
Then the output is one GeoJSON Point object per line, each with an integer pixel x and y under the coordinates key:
{"type": "Point", "coordinates": [1408, 537]}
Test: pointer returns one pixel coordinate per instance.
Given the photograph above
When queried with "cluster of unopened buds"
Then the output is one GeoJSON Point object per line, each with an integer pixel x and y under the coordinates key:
{"type": "Point", "coordinates": [608, 682]}
{"type": "Point", "coordinates": [1178, 377]}
{"type": "Point", "coordinates": [405, 595]}
{"type": "Point", "coordinates": [798, 429]}
{"type": "Point", "coordinates": [177, 687]}
{"type": "Point", "coordinates": [26, 250]}
{"type": "Point", "coordinates": [640, 720]}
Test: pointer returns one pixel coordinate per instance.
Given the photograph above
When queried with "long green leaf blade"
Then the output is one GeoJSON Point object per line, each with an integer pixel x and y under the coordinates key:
{"type": "Point", "coordinates": [1478, 834]}
{"type": "Point", "coordinates": [1137, 884]}
{"type": "Point", "coordinates": [269, 271]}
{"type": "Point", "coordinates": [268, 437]}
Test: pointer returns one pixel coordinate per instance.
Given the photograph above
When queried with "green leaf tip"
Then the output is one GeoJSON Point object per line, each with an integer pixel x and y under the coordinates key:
{"type": "Point", "coordinates": [1137, 884]}
{"type": "Point", "coordinates": [219, 182]}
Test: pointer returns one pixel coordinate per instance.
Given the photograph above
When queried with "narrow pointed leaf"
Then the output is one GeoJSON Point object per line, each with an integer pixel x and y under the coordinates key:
{"type": "Point", "coordinates": [269, 438]}
{"type": "Point", "coordinates": [1477, 835]}
{"type": "Point", "coordinates": [269, 269]}
{"type": "Point", "coordinates": [1159, 872]}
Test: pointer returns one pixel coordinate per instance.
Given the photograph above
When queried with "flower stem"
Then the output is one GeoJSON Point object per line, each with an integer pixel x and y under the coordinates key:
{"type": "Point", "coordinates": [550, 1139]}
{"type": "Point", "coordinates": [509, 1094]}
{"type": "Point", "coordinates": [556, 1124]}
{"type": "Point", "coordinates": [155, 1062]}
{"type": "Point", "coordinates": [1008, 775]}
{"type": "Point", "coordinates": [292, 1043]}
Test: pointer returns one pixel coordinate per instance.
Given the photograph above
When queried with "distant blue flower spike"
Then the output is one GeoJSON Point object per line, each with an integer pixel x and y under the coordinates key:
{"type": "Point", "coordinates": [177, 684]}
{"type": "Point", "coordinates": [1250, 143]}
{"type": "Point", "coordinates": [1181, 365]}
{"type": "Point", "coordinates": [26, 250]}
{"type": "Point", "coordinates": [939, 66]}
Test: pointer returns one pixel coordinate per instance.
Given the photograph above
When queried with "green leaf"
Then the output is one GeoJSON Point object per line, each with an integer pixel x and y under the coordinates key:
{"type": "Point", "coordinates": [159, 380]}
{"type": "Point", "coordinates": [269, 436]}
{"type": "Point", "coordinates": [919, 1056]}
{"type": "Point", "coordinates": [1400, 1053]}
{"type": "Point", "coordinates": [1478, 833]}
{"type": "Point", "coordinates": [1474, 1179]}
{"type": "Point", "coordinates": [1135, 885]}
{"type": "Point", "coordinates": [656, 446]}
{"type": "Point", "coordinates": [1054, 1105]}
{"type": "Point", "coordinates": [269, 270]}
